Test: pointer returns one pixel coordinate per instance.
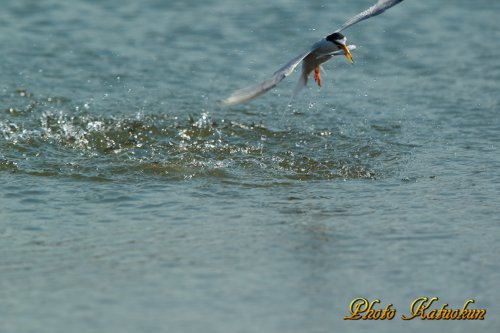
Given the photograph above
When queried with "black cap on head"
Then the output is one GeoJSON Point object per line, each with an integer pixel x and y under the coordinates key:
{"type": "Point", "coordinates": [335, 36]}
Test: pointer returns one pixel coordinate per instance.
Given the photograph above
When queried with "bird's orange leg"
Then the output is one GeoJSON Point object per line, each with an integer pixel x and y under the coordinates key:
{"type": "Point", "coordinates": [316, 76]}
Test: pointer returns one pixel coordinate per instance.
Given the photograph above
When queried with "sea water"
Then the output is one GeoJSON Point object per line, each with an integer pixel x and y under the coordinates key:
{"type": "Point", "coordinates": [130, 201]}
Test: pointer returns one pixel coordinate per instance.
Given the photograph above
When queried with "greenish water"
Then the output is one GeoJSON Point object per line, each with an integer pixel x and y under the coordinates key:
{"type": "Point", "coordinates": [131, 202]}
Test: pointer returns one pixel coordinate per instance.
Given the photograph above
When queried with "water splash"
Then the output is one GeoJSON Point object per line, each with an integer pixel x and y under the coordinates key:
{"type": "Point", "coordinates": [67, 140]}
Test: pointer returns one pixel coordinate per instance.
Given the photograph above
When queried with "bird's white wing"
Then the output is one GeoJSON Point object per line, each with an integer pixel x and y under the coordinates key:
{"type": "Point", "coordinates": [380, 7]}
{"type": "Point", "coordinates": [246, 94]}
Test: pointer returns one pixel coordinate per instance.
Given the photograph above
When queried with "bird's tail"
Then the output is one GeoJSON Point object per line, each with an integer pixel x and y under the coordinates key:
{"type": "Point", "coordinates": [309, 64]}
{"type": "Point", "coordinates": [302, 82]}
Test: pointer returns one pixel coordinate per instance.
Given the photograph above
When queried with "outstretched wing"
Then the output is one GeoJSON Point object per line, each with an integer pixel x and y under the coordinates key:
{"type": "Point", "coordinates": [377, 9]}
{"type": "Point", "coordinates": [246, 94]}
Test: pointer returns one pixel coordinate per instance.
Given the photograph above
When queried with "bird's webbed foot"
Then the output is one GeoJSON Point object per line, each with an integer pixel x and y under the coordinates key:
{"type": "Point", "coordinates": [316, 76]}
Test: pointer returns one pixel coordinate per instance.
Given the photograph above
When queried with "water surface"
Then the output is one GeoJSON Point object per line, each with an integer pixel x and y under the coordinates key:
{"type": "Point", "coordinates": [132, 202]}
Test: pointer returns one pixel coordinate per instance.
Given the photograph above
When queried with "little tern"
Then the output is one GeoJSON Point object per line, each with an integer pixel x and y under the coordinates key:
{"type": "Point", "coordinates": [332, 45]}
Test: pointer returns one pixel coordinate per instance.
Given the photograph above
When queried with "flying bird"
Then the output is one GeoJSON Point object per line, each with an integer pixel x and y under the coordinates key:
{"type": "Point", "coordinates": [332, 45]}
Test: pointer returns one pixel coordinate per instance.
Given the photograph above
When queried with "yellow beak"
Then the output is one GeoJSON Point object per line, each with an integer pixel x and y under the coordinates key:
{"type": "Point", "coordinates": [347, 53]}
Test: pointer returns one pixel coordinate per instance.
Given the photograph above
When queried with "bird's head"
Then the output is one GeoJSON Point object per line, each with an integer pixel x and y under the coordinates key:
{"type": "Point", "coordinates": [341, 42]}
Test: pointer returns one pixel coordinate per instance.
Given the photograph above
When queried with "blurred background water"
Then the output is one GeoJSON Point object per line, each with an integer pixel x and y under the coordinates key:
{"type": "Point", "coordinates": [131, 202]}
